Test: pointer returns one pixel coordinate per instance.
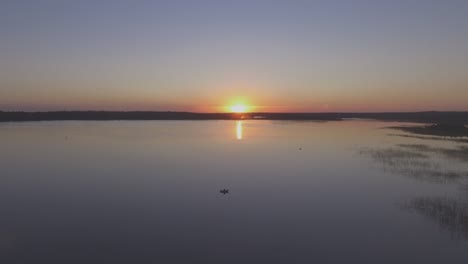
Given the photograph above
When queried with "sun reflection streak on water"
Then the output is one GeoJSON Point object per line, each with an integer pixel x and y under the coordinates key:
{"type": "Point", "coordinates": [239, 130]}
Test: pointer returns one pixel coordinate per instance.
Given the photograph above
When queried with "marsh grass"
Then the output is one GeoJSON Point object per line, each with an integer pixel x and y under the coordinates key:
{"type": "Point", "coordinates": [449, 213]}
{"type": "Point", "coordinates": [420, 161]}
{"type": "Point", "coordinates": [452, 139]}
{"type": "Point", "coordinates": [443, 130]}
{"type": "Point", "coordinates": [425, 162]}
{"type": "Point", "coordinates": [459, 153]}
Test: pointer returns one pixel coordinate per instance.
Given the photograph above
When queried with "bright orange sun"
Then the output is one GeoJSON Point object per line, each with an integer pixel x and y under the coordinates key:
{"type": "Point", "coordinates": [238, 108]}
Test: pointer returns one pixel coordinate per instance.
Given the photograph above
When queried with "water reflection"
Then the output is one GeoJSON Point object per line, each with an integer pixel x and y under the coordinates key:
{"type": "Point", "coordinates": [160, 203]}
{"type": "Point", "coordinates": [239, 130]}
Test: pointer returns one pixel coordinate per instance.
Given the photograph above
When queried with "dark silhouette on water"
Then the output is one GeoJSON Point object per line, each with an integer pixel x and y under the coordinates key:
{"type": "Point", "coordinates": [224, 191]}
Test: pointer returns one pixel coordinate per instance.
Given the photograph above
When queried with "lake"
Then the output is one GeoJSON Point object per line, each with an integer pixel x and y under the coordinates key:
{"type": "Point", "coordinates": [348, 191]}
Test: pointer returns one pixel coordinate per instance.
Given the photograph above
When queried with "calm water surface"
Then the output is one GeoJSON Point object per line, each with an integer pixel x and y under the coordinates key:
{"type": "Point", "coordinates": [300, 192]}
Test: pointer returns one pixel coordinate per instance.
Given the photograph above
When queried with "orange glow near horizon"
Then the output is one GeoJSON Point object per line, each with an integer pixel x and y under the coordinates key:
{"type": "Point", "coordinates": [238, 105]}
{"type": "Point", "coordinates": [238, 108]}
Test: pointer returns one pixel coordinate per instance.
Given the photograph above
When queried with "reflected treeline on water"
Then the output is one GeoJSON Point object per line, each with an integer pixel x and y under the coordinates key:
{"type": "Point", "coordinates": [451, 214]}
{"type": "Point", "coordinates": [436, 164]}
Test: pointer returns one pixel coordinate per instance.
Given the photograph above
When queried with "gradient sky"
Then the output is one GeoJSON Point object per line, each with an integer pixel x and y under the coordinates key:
{"type": "Point", "coordinates": [193, 55]}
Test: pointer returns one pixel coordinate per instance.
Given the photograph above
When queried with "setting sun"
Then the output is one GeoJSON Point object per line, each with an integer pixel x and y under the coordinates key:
{"type": "Point", "coordinates": [238, 108]}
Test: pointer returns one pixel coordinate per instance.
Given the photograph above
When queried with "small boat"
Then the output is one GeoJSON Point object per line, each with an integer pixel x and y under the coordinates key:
{"type": "Point", "coordinates": [224, 191]}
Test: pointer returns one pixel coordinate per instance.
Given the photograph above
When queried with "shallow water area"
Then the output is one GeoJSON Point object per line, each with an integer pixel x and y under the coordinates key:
{"type": "Point", "coordinates": [299, 192]}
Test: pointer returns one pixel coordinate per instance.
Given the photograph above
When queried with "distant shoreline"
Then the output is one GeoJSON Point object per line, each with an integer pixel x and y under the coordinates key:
{"type": "Point", "coordinates": [432, 117]}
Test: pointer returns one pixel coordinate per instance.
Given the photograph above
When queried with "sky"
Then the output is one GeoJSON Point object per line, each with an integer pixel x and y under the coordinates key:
{"type": "Point", "coordinates": [196, 55]}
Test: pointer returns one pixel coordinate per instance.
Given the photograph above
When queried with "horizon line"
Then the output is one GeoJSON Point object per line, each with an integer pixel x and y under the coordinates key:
{"type": "Point", "coordinates": [253, 112]}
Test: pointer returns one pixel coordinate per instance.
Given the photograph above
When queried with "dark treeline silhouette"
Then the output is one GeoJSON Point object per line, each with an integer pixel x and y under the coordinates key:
{"type": "Point", "coordinates": [444, 118]}
{"type": "Point", "coordinates": [110, 115]}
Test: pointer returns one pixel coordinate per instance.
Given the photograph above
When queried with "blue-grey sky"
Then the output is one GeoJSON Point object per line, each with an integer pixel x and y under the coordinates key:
{"type": "Point", "coordinates": [204, 55]}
